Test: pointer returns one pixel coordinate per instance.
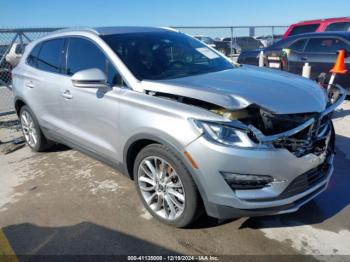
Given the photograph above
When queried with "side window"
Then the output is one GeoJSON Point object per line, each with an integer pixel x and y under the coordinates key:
{"type": "Point", "coordinates": [33, 56]}
{"type": "Point", "coordinates": [50, 55]}
{"type": "Point", "coordinates": [298, 45]}
{"type": "Point", "coordinates": [83, 54]}
{"type": "Point", "coordinates": [343, 26]}
{"type": "Point", "coordinates": [325, 45]}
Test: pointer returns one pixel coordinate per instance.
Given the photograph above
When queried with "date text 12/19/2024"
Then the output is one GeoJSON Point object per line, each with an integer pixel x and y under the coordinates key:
{"type": "Point", "coordinates": [173, 258]}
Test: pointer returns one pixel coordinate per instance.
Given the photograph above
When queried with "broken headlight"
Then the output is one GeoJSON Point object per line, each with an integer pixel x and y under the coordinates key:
{"type": "Point", "coordinates": [223, 133]}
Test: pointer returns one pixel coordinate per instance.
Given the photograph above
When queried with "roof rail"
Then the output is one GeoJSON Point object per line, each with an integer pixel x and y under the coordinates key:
{"type": "Point", "coordinates": [73, 29]}
{"type": "Point", "coordinates": [323, 19]}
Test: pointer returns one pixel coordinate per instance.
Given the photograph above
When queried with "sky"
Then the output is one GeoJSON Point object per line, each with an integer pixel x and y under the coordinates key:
{"type": "Point", "coordinates": [66, 13]}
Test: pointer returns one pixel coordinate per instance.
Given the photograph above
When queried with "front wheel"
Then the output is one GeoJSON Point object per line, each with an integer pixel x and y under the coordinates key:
{"type": "Point", "coordinates": [165, 186]}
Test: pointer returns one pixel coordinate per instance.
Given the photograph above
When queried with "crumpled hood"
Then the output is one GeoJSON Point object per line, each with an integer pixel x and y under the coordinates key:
{"type": "Point", "coordinates": [277, 91]}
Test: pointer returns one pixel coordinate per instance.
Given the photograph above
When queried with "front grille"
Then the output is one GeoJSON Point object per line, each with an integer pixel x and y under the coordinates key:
{"type": "Point", "coordinates": [290, 205]}
{"type": "Point", "coordinates": [278, 123]}
{"type": "Point", "coordinates": [313, 139]}
{"type": "Point", "coordinates": [305, 181]}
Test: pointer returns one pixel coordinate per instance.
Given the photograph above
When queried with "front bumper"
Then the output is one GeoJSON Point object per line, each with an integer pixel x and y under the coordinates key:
{"type": "Point", "coordinates": [222, 201]}
{"type": "Point", "coordinates": [278, 205]}
{"type": "Point", "coordinates": [286, 194]}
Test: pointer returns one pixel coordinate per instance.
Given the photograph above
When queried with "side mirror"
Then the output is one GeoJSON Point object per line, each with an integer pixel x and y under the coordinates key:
{"type": "Point", "coordinates": [90, 78]}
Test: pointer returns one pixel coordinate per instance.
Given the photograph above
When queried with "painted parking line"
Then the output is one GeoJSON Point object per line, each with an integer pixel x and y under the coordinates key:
{"type": "Point", "coordinates": [6, 252]}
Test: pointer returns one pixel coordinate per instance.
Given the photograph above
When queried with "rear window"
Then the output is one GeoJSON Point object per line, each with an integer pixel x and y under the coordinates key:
{"type": "Point", "coordinates": [343, 26]}
{"type": "Point", "coordinates": [325, 45]}
{"type": "Point", "coordinates": [252, 40]}
{"type": "Point", "coordinates": [240, 41]}
{"type": "Point", "coordinates": [50, 55]}
{"type": "Point", "coordinates": [302, 29]}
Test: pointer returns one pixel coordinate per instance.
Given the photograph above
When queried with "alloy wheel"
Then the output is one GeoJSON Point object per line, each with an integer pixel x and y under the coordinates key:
{"type": "Point", "coordinates": [29, 129]}
{"type": "Point", "coordinates": [161, 187]}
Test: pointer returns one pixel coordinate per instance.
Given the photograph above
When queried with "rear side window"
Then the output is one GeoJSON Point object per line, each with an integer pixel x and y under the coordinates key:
{"type": "Point", "coordinates": [326, 45]}
{"type": "Point", "coordinates": [33, 56]}
{"type": "Point", "coordinates": [302, 29]}
{"type": "Point", "coordinates": [50, 55]}
{"type": "Point", "coordinates": [83, 54]}
{"type": "Point", "coordinates": [343, 26]}
{"type": "Point", "coordinates": [298, 45]}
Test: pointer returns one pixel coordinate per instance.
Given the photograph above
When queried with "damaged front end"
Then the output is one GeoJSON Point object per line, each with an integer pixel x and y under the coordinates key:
{"type": "Point", "coordinates": [256, 126]}
{"type": "Point", "coordinates": [300, 134]}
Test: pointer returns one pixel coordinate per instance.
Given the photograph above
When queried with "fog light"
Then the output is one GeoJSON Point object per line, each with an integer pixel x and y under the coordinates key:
{"type": "Point", "coordinates": [239, 181]}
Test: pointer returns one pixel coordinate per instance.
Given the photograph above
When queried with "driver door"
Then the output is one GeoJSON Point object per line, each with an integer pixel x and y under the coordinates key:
{"type": "Point", "coordinates": [91, 113]}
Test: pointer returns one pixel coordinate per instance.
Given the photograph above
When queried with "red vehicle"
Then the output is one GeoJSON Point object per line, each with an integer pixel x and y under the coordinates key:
{"type": "Point", "coordinates": [320, 25]}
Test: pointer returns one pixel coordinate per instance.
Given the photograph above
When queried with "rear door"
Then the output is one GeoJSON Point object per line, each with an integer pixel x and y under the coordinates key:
{"type": "Point", "coordinates": [42, 80]}
{"type": "Point", "coordinates": [321, 54]}
{"type": "Point", "coordinates": [91, 114]}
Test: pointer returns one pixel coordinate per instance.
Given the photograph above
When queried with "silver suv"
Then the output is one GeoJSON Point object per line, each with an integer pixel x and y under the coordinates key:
{"type": "Point", "coordinates": [193, 130]}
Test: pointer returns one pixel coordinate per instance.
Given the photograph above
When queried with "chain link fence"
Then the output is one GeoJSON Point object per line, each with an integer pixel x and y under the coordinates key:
{"type": "Point", "coordinates": [230, 40]}
{"type": "Point", "coordinates": [12, 45]}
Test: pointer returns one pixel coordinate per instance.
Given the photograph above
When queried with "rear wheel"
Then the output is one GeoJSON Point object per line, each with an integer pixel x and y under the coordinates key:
{"type": "Point", "coordinates": [165, 186]}
{"type": "Point", "coordinates": [31, 131]}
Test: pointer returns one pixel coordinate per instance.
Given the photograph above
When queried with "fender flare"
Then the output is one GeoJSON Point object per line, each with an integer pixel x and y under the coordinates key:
{"type": "Point", "coordinates": [174, 145]}
{"type": "Point", "coordinates": [16, 99]}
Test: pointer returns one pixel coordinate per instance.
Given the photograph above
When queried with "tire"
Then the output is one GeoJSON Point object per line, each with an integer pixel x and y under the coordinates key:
{"type": "Point", "coordinates": [160, 206]}
{"type": "Point", "coordinates": [38, 143]}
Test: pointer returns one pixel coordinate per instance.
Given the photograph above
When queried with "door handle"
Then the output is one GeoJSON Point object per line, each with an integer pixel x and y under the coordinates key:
{"type": "Point", "coordinates": [66, 94]}
{"type": "Point", "coordinates": [30, 84]}
{"type": "Point", "coordinates": [304, 58]}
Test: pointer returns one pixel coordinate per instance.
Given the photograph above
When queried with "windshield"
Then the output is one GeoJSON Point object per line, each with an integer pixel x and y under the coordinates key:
{"type": "Point", "coordinates": [165, 55]}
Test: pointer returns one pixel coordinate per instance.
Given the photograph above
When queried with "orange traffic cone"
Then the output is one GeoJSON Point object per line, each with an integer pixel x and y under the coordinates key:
{"type": "Point", "coordinates": [339, 67]}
